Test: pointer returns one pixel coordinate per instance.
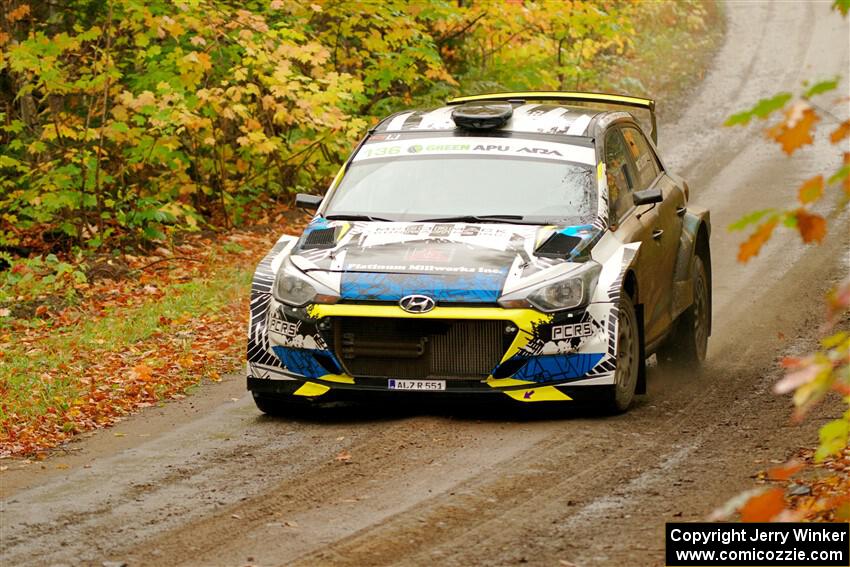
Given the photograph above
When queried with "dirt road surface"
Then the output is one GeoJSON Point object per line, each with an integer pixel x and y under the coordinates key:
{"type": "Point", "coordinates": [210, 481]}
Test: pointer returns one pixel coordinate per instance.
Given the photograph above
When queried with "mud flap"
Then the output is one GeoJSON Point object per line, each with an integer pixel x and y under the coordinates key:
{"type": "Point", "coordinates": [640, 387]}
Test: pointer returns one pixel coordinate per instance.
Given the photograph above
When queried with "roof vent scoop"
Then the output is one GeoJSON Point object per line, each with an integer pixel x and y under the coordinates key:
{"type": "Point", "coordinates": [481, 116]}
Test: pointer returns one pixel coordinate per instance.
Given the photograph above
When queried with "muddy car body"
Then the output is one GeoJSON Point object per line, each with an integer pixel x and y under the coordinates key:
{"type": "Point", "coordinates": [530, 245]}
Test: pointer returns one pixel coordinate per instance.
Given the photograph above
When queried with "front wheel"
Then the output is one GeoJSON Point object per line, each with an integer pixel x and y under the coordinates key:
{"type": "Point", "coordinates": [689, 343]}
{"type": "Point", "coordinates": [619, 396]}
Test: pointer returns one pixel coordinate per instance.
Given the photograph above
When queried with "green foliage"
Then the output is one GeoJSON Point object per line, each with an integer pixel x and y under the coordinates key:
{"type": "Point", "coordinates": [38, 276]}
{"type": "Point", "coordinates": [822, 87]}
{"type": "Point", "coordinates": [762, 109]}
{"type": "Point", "coordinates": [124, 121]}
{"type": "Point", "coordinates": [833, 437]}
{"type": "Point", "coordinates": [750, 219]}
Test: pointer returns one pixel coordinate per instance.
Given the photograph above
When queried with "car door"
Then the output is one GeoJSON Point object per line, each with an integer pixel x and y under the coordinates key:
{"type": "Point", "coordinates": [633, 224]}
{"type": "Point", "coordinates": [664, 225]}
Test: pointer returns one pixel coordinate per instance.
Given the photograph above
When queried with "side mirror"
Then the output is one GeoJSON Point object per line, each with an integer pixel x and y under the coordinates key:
{"type": "Point", "coordinates": [647, 196]}
{"type": "Point", "coordinates": [307, 201]}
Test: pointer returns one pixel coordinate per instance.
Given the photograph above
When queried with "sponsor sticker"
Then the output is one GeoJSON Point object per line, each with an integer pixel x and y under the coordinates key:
{"type": "Point", "coordinates": [281, 327]}
{"type": "Point", "coordinates": [566, 332]}
{"type": "Point", "coordinates": [378, 148]}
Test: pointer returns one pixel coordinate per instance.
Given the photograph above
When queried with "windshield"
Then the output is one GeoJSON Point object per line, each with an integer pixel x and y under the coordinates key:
{"type": "Point", "coordinates": [442, 187]}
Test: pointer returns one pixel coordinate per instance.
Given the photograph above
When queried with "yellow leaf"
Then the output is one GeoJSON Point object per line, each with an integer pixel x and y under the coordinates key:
{"type": "Point", "coordinates": [119, 112]}
{"type": "Point", "coordinates": [146, 98]}
{"type": "Point", "coordinates": [204, 61]}
{"type": "Point", "coordinates": [811, 190]}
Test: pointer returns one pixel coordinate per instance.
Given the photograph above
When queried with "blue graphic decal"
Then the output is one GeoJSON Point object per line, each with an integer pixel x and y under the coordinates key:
{"type": "Point", "coordinates": [302, 361]}
{"type": "Point", "coordinates": [578, 230]}
{"type": "Point", "coordinates": [469, 288]}
{"type": "Point", "coordinates": [317, 223]}
{"type": "Point", "coordinates": [588, 234]}
{"type": "Point", "coordinates": [549, 368]}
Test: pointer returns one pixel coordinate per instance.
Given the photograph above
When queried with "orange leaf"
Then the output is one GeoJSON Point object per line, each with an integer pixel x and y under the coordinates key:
{"type": "Point", "coordinates": [344, 456]}
{"type": "Point", "coordinates": [796, 130]}
{"type": "Point", "coordinates": [18, 13]}
{"type": "Point", "coordinates": [143, 372]}
{"type": "Point", "coordinates": [763, 507]}
{"type": "Point", "coordinates": [811, 190]}
{"type": "Point", "coordinates": [785, 471]}
{"type": "Point", "coordinates": [751, 247]}
{"type": "Point", "coordinates": [812, 227]}
{"type": "Point", "coordinates": [841, 132]}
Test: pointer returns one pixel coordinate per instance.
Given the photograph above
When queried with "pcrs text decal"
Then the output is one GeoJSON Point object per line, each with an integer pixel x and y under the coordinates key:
{"type": "Point", "coordinates": [565, 332]}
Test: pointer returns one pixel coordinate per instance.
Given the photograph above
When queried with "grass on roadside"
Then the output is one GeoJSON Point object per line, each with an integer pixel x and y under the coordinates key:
{"type": "Point", "coordinates": [126, 344]}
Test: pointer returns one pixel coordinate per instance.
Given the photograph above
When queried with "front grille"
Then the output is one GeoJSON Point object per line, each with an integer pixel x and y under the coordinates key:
{"type": "Point", "coordinates": [415, 349]}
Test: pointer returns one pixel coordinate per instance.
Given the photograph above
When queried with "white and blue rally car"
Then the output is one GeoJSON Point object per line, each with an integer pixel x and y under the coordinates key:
{"type": "Point", "coordinates": [531, 245]}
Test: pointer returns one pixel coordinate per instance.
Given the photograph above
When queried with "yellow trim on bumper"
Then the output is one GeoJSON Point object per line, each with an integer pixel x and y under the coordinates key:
{"type": "Point", "coordinates": [524, 319]}
{"type": "Point", "coordinates": [311, 390]}
{"type": "Point", "coordinates": [541, 394]}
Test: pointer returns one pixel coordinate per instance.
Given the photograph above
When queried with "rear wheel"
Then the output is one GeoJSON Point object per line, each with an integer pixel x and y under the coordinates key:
{"type": "Point", "coordinates": [687, 347]}
{"type": "Point", "coordinates": [619, 396]}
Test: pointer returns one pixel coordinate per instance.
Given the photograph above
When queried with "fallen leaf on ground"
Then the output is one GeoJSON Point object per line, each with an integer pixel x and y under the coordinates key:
{"type": "Point", "coordinates": [343, 456]}
{"type": "Point", "coordinates": [786, 471]}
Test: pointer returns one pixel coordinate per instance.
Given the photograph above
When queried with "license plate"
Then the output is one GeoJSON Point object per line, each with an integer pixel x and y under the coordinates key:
{"type": "Point", "coordinates": [427, 385]}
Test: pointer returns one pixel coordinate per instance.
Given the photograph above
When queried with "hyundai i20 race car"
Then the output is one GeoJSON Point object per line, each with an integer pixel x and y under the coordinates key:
{"type": "Point", "coordinates": [530, 245]}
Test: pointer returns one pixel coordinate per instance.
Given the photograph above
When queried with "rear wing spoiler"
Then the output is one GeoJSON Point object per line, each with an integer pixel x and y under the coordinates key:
{"type": "Point", "coordinates": [612, 100]}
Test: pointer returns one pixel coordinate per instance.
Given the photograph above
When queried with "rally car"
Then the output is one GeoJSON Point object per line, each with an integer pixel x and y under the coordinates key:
{"type": "Point", "coordinates": [530, 245]}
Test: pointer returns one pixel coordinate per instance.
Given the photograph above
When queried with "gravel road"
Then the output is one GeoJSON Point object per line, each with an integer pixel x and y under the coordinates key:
{"type": "Point", "coordinates": [210, 481]}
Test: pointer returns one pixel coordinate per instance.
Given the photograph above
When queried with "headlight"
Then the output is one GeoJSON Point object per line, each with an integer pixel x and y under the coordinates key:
{"type": "Point", "coordinates": [560, 295]}
{"type": "Point", "coordinates": [295, 288]}
{"type": "Point", "coordinates": [566, 293]}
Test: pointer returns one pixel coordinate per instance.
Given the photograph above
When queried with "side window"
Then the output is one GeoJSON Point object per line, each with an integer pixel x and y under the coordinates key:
{"type": "Point", "coordinates": [620, 173]}
{"type": "Point", "coordinates": [642, 156]}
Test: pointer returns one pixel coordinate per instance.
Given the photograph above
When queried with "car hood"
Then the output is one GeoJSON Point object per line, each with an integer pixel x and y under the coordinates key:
{"type": "Point", "coordinates": [449, 262]}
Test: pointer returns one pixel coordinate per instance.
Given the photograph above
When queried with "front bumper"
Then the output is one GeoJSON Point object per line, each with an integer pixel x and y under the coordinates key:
{"type": "Point", "coordinates": [540, 363]}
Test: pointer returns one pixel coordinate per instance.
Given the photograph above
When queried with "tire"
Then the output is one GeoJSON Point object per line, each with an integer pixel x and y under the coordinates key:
{"type": "Point", "coordinates": [618, 397]}
{"type": "Point", "coordinates": [687, 346]}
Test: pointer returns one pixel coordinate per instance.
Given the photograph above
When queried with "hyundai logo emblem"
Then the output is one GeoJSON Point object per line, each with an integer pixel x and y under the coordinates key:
{"type": "Point", "coordinates": [417, 303]}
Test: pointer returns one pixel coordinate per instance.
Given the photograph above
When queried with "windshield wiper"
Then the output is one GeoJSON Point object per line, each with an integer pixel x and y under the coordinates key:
{"type": "Point", "coordinates": [510, 219]}
{"type": "Point", "coordinates": [357, 218]}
